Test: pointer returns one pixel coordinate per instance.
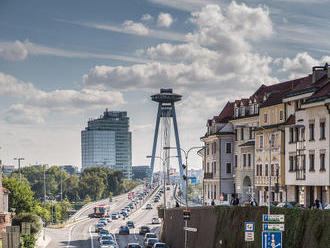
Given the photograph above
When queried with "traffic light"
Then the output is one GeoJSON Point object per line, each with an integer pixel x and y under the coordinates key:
{"type": "Point", "coordinates": [184, 166]}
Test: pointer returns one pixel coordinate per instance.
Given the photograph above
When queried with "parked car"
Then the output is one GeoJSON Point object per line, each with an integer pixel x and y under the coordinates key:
{"type": "Point", "coordinates": [155, 220]}
{"type": "Point", "coordinates": [130, 224]}
{"type": "Point", "coordinates": [133, 245]}
{"type": "Point", "coordinates": [150, 242]}
{"type": "Point", "coordinates": [160, 245]}
{"type": "Point", "coordinates": [148, 236]}
{"type": "Point", "coordinates": [148, 206]}
{"type": "Point", "coordinates": [143, 230]}
{"type": "Point", "coordinates": [123, 230]}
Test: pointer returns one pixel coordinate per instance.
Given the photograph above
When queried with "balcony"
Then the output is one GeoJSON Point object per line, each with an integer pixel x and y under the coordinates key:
{"type": "Point", "coordinates": [301, 174]}
{"type": "Point", "coordinates": [208, 175]}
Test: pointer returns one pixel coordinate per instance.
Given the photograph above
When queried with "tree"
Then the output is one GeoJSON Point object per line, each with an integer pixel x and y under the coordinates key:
{"type": "Point", "coordinates": [20, 196]}
{"type": "Point", "coordinates": [92, 185]}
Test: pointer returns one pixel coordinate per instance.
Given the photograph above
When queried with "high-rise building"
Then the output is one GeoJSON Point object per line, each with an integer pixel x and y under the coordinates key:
{"type": "Point", "coordinates": [106, 141]}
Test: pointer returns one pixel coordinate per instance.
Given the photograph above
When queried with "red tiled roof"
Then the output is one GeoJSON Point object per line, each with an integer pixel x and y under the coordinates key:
{"type": "Point", "coordinates": [320, 94]}
{"type": "Point", "coordinates": [227, 112]}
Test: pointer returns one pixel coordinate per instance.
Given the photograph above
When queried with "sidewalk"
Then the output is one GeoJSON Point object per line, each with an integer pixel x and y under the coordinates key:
{"type": "Point", "coordinates": [41, 243]}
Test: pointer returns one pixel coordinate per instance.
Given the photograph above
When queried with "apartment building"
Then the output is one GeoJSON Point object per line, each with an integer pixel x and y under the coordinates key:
{"type": "Point", "coordinates": [218, 157]}
{"type": "Point", "coordinates": [307, 143]}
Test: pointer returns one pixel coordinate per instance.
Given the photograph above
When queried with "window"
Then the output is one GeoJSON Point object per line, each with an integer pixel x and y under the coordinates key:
{"type": "Point", "coordinates": [266, 170]}
{"type": "Point", "coordinates": [214, 167]}
{"type": "Point", "coordinates": [215, 192]}
{"type": "Point", "coordinates": [265, 118]}
{"type": "Point", "coordinates": [260, 170]}
{"type": "Point", "coordinates": [208, 191]}
{"type": "Point", "coordinates": [208, 167]}
{"type": "Point", "coordinates": [236, 161]}
{"type": "Point", "coordinates": [291, 135]}
{"type": "Point", "coordinates": [311, 162]}
{"type": "Point", "coordinates": [244, 160]}
{"type": "Point", "coordinates": [273, 140]}
{"type": "Point", "coordinates": [322, 162]}
{"type": "Point", "coordinates": [322, 130]}
{"type": "Point", "coordinates": [228, 168]}
{"type": "Point", "coordinates": [261, 142]}
{"type": "Point", "coordinates": [242, 133]}
{"type": "Point", "coordinates": [257, 171]}
{"type": "Point", "coordinates": [303, 134]}
{"type": "Point", "coordinates": [214, 147]}
{"type": "Point", "coordinates": [228, 147]}
{"type": "Point", "coordinates": [249, 160]}
{"type": "Point", "coordinates": [311, 131]}
{"type": "Point", "coordinates": [207, 149]}
{"type": "Point", "coordinates": [236, 135]}
{"type": "Point", "coordinates": [250, 133]}
{"type": "Point", "coordinates": [272, 171]}
{"type": "Point", "coordinates": [296, 134]}
{"type": "Point", "coordinates": [281, 115]}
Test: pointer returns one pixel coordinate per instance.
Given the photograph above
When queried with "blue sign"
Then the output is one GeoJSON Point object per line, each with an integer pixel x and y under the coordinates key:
{"type": "Point", "coordinates": [192, 180]}
{"type": "Point", "coordinates": [249, 226]}
{"type": "Point", "coordinates": [271, 239]}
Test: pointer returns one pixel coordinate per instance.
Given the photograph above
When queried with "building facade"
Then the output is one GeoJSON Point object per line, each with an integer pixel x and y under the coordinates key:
{"type": "Point", "coordinates": [141, 172]}
{"type": "Point", "coordinates": [106, 141]}
{"type": "Point", "coordinates": [218, 158]}
{"type": "Point", "coordinates": [307, 144]}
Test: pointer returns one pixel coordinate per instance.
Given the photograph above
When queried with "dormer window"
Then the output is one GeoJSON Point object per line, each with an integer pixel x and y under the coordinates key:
{"type": "Point", "coordinates": [242, 111]}
{"type": "Point", "coordinates": [236, 112]}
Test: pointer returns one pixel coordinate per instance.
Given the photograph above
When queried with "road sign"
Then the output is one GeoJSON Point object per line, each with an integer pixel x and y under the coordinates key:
{"type": "Point", "coordinates": [249, 236]}
{"type": "Point", "coordinates": [186, 214]}
{"type": "Point", "coordinates": [273, 227]}
{"type": "Point", "coordinates": [26, 228]}
{"type": "Point", "coordinates": [273, 218]}
{"type": "Point", "coordinates": [249, 226]}
{"type": "Point", "coordinates": [190, 229]}
{"type": "Point", "coordinates": [271, 239]}
{"type": "Point", "coordinates": [192, 180]}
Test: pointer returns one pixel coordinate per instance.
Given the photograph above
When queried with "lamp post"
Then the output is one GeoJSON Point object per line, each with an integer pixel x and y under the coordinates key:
{"type": "Point", "coordinates": [164, 184]}
{"type": "Point", "coordinates": [19, 168]}
{"type": "Point", "coordinates": [186, 154]}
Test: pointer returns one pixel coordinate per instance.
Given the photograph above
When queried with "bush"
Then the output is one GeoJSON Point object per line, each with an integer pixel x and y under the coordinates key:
{"type": "Point", "coordinates": [27, 241]}
{"type": "Point", "coordinates": [35, 221]}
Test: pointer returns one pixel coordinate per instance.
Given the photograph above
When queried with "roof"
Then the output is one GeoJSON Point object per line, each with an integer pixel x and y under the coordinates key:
{"type": "Point", "coordinates": [291, 120]}
{"type": "Point", "coordinates": [320, 94]}
{"type": "Point", "coordinates": [249, 143]}
{"type": "Point", "coordinates": [227, 112]}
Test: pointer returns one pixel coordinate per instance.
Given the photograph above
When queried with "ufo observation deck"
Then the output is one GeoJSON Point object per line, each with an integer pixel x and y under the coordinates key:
{"type": "Point", "coordinates": [166, 96]}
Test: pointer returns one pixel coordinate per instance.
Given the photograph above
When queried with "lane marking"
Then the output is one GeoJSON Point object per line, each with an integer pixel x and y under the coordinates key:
{"type": "Point", "coordinates": [69, 239]}
{"type": "Point", "coordinates": [92, 239]}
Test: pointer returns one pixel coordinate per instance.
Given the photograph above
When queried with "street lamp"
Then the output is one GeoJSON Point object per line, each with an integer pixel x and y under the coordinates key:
{"type": "Point", "coordinates": [164, 169]}
{"type": "Point", "coordinates": [19, 168]}
{"type": "Point", "coordinates": [186, 154]}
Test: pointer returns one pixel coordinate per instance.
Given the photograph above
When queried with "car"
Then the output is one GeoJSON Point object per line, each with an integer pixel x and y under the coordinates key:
{"type": "Point", "coordinates": [284, 205]}
{"type": "Point", "coordinates": [114, 216]}
{"type": "Point", "coordinates": [148, 206]}
{"type": "Point", "coordinates": [160, 245]}
{"type": "Point", "coordinates": [130, 224]}
{"type": "Point", "coordinates": [155, 220]}
{"type": "Point", "coordinates": [103, 232]}
{"type": "Point", "coordinates": [148, 236]}
{"type": "Point", "coordinates": [103, 220]}
{"type": "Point", "coordinates": [109, 244]}
{"type": "Point", "coordinates": [124, 230]}
{"type": "Point", "coordinates": [156, 200]}
{"type": "Point", "coordinates": [143, 230]}
{"type": "Point", "coordinates": [150, 242]}
{"type": "Point", "coordinates": [98, 227]}
{"type": "Point", "coordinates": [133, 245]}
{"type": "Point", "coordinates": [168, 188]}
{"type": "Point", "coordinates": [108, 218]}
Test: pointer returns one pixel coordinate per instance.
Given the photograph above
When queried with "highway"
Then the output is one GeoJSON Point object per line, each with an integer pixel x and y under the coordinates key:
{"type": "Point", "coordinates": [82, 233]}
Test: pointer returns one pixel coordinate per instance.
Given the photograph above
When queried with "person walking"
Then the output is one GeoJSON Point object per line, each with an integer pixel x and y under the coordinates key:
{"type": "Point", "coordinates": [212, 203]}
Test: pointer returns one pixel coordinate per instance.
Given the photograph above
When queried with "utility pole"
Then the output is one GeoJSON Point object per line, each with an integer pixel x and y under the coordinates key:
{"type": "Point", "coordinates": [61, 186]}
{"type": "Point", "coordinates": [19, 168]}
{"type": "Point", "coordinates": [44, 183]}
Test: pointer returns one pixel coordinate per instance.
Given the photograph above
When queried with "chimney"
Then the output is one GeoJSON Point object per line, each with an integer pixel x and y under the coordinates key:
{"type": "Point", "coordinates": [320, 71]}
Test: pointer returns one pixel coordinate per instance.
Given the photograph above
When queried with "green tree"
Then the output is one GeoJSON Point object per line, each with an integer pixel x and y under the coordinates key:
{"type": "Point", "coordinates": [92, 185]}
{"type": "Point", "coordinates": [20, 196]}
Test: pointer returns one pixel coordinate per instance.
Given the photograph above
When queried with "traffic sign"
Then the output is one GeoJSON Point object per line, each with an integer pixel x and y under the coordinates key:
{"type": "Point", "coordinates": [271, 239]}
{"type": "Point", "coordinates": [186, 214]}
{"type": "Point", "coordinates": [273, 218]}
{"type": "Point", "coordinates": [273, 227]}
{"type": "Point", "coordinates": [190, 229]}
{"type": "Point", "coordinates": [249, 226]}
{"type": "Point", "coordinates": [249, 236]}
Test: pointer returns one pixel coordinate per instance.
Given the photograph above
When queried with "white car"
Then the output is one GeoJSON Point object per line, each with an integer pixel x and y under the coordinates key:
{"type": "Point", "coordinates": [155, 220]}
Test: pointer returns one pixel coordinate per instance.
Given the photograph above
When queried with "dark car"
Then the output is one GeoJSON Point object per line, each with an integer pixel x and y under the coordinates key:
{"type": "Point", "coordinates": [150, 242]}
{"type": "Point", "coordinates": [133, 245]}
{"type": "Point", "coordinates": [144, 230]}
{"type": "Point", "coordinates": [103, 232]}
{"type": "Point", "coordinates": [149, 236]}
{"type": "Point", "coordinates": [130, 224]}
{"type": "Point", "coordinates": [123, 230]}
{"type": "Point", "coordinates": [160, 245]}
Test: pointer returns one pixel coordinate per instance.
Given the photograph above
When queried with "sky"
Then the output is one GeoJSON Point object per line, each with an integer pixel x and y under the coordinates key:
{"type": "Point", "coordinates": [63, 62]}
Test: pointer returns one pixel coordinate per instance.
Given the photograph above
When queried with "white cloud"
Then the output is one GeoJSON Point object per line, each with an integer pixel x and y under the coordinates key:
{"type": "Point", "coordinates": [219, 57]}
{"type": "Point", "coordinates": [186, 5]}
{"type": "Point", "coordinates": [13, 51]}
{"type": "Point", "coordinates": [135, 28]}
{"type": "Point", "coordinates": [38, 103]}
{"type": "Point", "coordinates": [164, 20]}
{"type": "Point", "coordinates": [300, 65]}
{"type": "Point", "coordinates": [20, 114]}
{"type": "Point", "coordinates": [17, 50]}
{"type": "Point", "coordinates": [146, 17]}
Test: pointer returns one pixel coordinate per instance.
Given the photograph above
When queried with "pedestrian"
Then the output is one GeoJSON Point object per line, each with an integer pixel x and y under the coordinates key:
{"type": "Point", "coordinates": [212, 203]}
{"type": "Point", "coordinates": [177, 204]}
{"type": "Point", "coordinates": [236, 202]}
{"type": "Point", "coordinates": [254, 203]}
{"type": "Point", "coordinates": [318, 204]}
{"type": "Point", "coordinates": [232, 201]}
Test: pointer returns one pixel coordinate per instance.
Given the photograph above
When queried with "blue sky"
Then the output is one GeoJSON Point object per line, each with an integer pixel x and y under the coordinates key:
{"type": "Point", "coordinates": [63, 62]}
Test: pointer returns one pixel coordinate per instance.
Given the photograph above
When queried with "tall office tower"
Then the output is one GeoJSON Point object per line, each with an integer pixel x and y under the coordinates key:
{"type": "Point", "coordinates": [107, 142]}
